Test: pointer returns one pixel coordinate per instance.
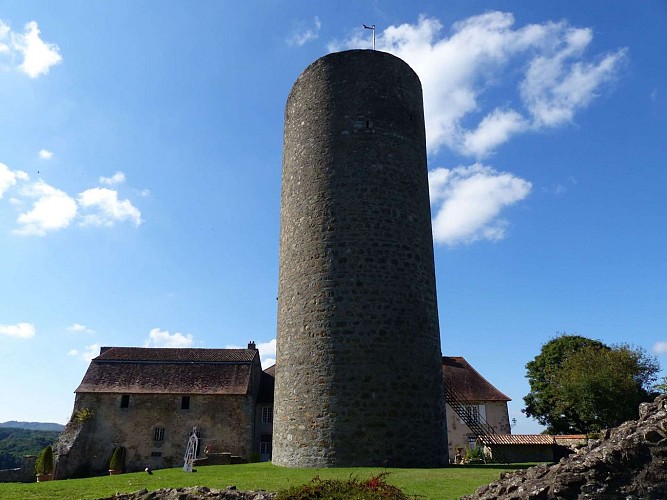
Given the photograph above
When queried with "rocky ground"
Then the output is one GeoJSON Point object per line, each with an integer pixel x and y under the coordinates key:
{"type": "Point", "coordinates": [628, 462]}
{"type": "Point", "coordinates": [194, 493]}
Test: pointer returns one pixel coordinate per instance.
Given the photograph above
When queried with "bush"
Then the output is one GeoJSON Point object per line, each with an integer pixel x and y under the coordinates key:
{"type": "Point", "coordinates": [117, 459]}
{"type": "Point", "coordinates": [475, 456]}
{"type": "Point", "coordinates": [44, 463]}
{"type": "Point", "coordinates": [82, 415]}
{"type": "Point", "coordinates": [375, 488]}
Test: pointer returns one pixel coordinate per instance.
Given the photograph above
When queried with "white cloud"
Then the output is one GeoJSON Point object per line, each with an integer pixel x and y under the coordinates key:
{"type": "Point", "coordinates": [107, 208]}
{"type": "Point", "coordinates": [88, 352]}
{"type": "Point", "coordinates": [304, 33]}
{"type": "Point", "coordinates": [660, 348]}
{"type": "Point", "coordinates": [45, 154]}
{"type": "Point", "coordinates": [19, 330]}
{"type": "Point", "coordinates": [267, 352]}
{"type": "Point", "coordinates": [79, 328]}
{"type": "Point", "coordinates": [467, 202]}
{"type": "Point", "coordinates": [53, 210]}
{"type": "Point", "coordinates": [117, 178]}
{"type": "Point", "coordinates": [160, 338]}
{"type": "Point", "coordinates": [38, 56]}
{"type": "Point", "coordinates": [485, 52]}
{"type": "Point", "coordinates": [9, 177]}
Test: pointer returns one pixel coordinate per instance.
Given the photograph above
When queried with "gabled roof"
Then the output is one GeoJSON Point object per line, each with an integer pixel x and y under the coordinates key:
{"type": "Point", "coordinates": [137, 370]}
{"type": "Point", "coordinates": [469, 384]}
{"type": "Point", "coordinates": [164, 354]}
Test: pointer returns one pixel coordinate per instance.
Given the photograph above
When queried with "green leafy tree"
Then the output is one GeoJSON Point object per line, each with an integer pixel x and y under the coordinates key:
{"type": "Point", "coordinates": [582, 385]}
{"type": "Point", "coordinates": [661, 386]}
{"type": "Point", "coordinates": [606, 385]}
{"type": "Point", "coordinates": [543, 374]}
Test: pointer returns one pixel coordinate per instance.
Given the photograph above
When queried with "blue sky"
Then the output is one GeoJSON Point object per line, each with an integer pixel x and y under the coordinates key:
{"type": "Point", "coordinates": [140, 162]}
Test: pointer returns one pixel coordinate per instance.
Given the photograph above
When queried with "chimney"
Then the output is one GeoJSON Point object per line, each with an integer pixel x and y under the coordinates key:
{"type": "Point", "coordinates": [252, 346]}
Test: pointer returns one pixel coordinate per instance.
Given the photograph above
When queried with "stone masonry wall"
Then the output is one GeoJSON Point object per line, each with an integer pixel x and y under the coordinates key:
{"type": "Point", "coordinates": [23, 474]}
{"type": "Point", "coordinates": [226, 420]}
{"type": "Point", "coordinates": [358, 378]}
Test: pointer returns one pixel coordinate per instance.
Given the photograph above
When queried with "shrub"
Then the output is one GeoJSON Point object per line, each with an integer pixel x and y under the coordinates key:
{"type": "Point", "coordinates": [117, 459]}
{"type": "Point", "coordinates": [375, 488]}
{"type": "Point", "coordinates": [44, 463]}
{"type": "Point", "coordinates": [82, 415]}
{"type": "Point", "coordinates": [475, 456]}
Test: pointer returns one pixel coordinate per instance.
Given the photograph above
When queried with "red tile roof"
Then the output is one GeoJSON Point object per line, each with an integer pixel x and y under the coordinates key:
{"type": "Point", "coordinates": [135, 370]}
{"type": "Point", "coordinates": [468, 383]}
{"type": "Point", "coordinates": [165, 354]}
{"type": "Point", "coordinates": [518, 439]}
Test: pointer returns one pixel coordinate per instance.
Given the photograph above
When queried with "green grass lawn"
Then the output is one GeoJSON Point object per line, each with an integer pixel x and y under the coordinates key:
{"type": "Point", "coordinates": [436, 484]}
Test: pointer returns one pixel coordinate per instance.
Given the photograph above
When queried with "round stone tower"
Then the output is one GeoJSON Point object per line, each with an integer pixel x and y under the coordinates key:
{"type": "Point", "coordinates": [358, 374]}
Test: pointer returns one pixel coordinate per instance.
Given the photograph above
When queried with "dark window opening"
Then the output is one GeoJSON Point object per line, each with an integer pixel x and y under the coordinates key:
{"type": "Point", "coordinates": [265, 446]}
{"type": "Point", "coordinates": [125, 401]}
{"type": "Point", "coordinates": [267, 414]}
{"type": "Point", "coordinates": [185, 403]}
{"type": "Point", "coordinates": [368, 124]}
{"type": "Point", "coordinates": [158, 434]}
{"type": "Point", "coordinates": [156, 453]}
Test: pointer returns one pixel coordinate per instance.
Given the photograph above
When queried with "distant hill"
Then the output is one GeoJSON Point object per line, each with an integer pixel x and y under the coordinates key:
{"type": "Point", "coordinates": [35, 426]}
{"type": "Point", "coordinates": [15, 442]}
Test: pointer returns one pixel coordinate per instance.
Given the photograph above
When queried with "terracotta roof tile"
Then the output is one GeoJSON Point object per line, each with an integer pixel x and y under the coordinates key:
{"type": "Point", "coordinates": [468, 382]}
{"type": "Point", "coordinates": [136, 370]}
{"type": "Point", "coordinates": [518, 439]}
{"type": "Point", "coordinates": [175, 355]}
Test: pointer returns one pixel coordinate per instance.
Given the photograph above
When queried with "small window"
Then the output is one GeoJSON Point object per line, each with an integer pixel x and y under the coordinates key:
{"type": "Point", "coordinates": [158, 434]}
{"type": "Point", "coordinates": [156, 453]}
{"type": "Point", "coordinates": [265, 447]}
{"type": "Point", "coordinates": [267, 414]}
{"type": "Point", "coordinates": [125, 401]}
{"type": "Point", "coordinates": [185, 403]}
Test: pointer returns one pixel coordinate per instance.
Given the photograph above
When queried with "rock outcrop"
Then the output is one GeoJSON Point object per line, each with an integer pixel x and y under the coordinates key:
{"type": "Point", "coordinates": [193, 493]}
{"type": "Point", "coordinates": [628, 462]}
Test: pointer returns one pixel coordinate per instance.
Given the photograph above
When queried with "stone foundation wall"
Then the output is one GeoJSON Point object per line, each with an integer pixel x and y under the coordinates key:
{"type": "Point", "coordinates": [24, 474]}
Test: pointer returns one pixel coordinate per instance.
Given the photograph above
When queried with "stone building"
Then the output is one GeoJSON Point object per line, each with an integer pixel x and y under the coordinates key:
{"type": "Point", "coordinates": [148, 400]}
{"type": "Point", "coordinates": [479, 402]}
{"type": "Point", "coordinates": [358, 380]}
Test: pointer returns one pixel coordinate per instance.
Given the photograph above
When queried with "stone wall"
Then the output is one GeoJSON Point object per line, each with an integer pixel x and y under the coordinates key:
{"type": "Point", "coordinates": [359, 375]}
{"type": "Point", "coordinates": [23, 474]}
{"type": "Point", "coordinates": [226, 420]}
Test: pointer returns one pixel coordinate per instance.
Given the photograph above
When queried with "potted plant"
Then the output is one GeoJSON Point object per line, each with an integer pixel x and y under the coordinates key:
{"type": "Point", "coordinates": [44, 465]}
{"type": "Point", "coordinates": [117, 463]}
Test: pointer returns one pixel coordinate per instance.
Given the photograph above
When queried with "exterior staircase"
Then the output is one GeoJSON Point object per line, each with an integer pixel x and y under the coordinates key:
{"type": "Point", "coordinates": [477, 424]}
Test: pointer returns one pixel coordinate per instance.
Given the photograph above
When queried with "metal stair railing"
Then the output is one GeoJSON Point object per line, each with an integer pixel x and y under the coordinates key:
{"type": "Point", "coordinates": [477, 424]}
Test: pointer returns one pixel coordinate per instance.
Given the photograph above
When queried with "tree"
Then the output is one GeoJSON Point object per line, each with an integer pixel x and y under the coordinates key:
{"type": "Point", "coordinates": [582, 385]}
{"type": "Point", "coordinates": [44, 463]}
{"type": "Point", "coordinates": [607, 385]}
{"type": "Point", "coordinates": [661, 386]}
{"type": "Point", "coordinates": [543, 376]}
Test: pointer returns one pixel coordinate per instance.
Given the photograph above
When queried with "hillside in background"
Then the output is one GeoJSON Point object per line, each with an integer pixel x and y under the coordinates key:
{"type": "Point", "coordinates": [35, 426]}
{"type": "Point", "coordinates": [15, 443]}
